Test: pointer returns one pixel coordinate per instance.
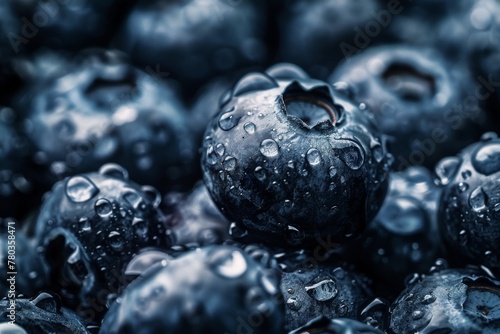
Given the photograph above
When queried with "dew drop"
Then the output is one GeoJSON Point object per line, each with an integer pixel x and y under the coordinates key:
{"type": "Point", "coordinates": [332, 171]}
{"type": "Point", "coordinates": [249, 127]}
{"type": "Point", "coordinates": [352, 156]}
{"type": "Point", "coordinates": [416, 315]}
{"type": "Point", "coordinates": [228, 120]}
{"type": "Point", "coordinates": [115, 240]}
{"type": "Point", "coordinates": [477, 200]}
{"type": "Point", "coordinates": [323, 290]}
{"type": "Point", "coordinates": [313, 157]}
{"type": "Point", "coordinates": [228, 264]}
{"type": "Point", "coordinates": [85, 224]}
{"type": "Point", "coordinates": [342, 309]}
{"type": "Point", "coordinates": [237, 231]}
{"type": "Point", "coordinates": [487, 159]}
{"type": "Point", "coordinates": [269, 148]}
{"type": "Point", "coordinates": [487, 136]}
{"type": "Point", "coordinates": [140, 227]}
{"type": "Point", "coordinates": [446, 169]}
{"type": "Point", "coordinates": [103, 207]}
{"type": "Point", "coordinates": [293, 304]}
{"type": "Point", "coordinates": [428, 299]}
{"type": "Point", "coordinates": [462, 187]}
{"type": "Point", "coordinates": [211, 155]}
{"type": "Point", "coordinates": [220, 149]}
{"type": "Point", "coordinates": [260, 173]}
{"type": "Point", "coordinates": [80, 189]}
{"type": "Point", "coordinates": [114, 170]}
{"type": "Point", "coordinates": [293, 235]}
{"type": "Point", "coordinates": [229, 163]}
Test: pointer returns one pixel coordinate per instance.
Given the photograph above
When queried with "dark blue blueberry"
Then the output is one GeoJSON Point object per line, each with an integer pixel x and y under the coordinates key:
{"type": "Point", "coordinates": [193, 218]}
{"type": "Point", "coordinates": [404, 236]}
{"type": "Point", "coordinates": [217, 289]}
{"type": "Point", "coordinates": [469, 211]}
{"type": "Point", "coordinates": [291, 159]}
{"type": "Point", "coordinates": [42, 314]}
{"type": "Point", "coordinates": [448, 301]}
{"type": "Point", "coordinates": [428, 108]}
{"type": "Point", "coordinates": [104, 110]}
{"type": "Point", "coordinates": [192, 41]}
{"type": "Point", "coordinates": [324, 325]}
{"type": "Point", "coordinates": [89, 227]}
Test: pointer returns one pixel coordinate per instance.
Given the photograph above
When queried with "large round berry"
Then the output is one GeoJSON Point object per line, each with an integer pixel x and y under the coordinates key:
{"type": "Point", "coordinates": [318, 34]}
{"type": "Point", "coordinates": [404, 236]}
{"type": "Point", "coordinates": [427, 107]}
{"type": "Point", "coordinates": [90, 226]}
{"type": "Point", "coordinates": [324, 289]}
{"type": "Point", "coordinates": [104, 110]}
{"type": "Point", "coordinates": [193, 218]}
{"type": "Point", "coordinates": [194, 40]}
{"type": "Point", "coordinates": [290, 159]}
{"type": "Point", "coordinates": [469, 210]}
{"type": "Point", "coordinates": [42, 314]}
{"type": "Point", "coordinates": [217, 289]}
{"type": "Point", "coordinates": [324, 325]}
{"type": "Point", "coordinates": [449, 301]}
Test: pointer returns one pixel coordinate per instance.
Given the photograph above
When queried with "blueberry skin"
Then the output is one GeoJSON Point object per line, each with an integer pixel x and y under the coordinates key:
{"type": "Point", "coordinates": [404, 236]}
{"type": "Point", "coordinates": [329, 290]}
{"type": "Point", "coordinates": [193, 41]}
{"type": "Point", "coordinates": [193, 218]}
{"type": "Point", "coordinates": [284, 181]}
{"type": "Point", "coordinates": [31, 268]}
{"type": "Point", "coordinates": [43, 314]}
{"type": "Point", "coordinates": [103, 110]}
{"type": "Point", "coordinates": [324, 325]}
{"type": "Point", "coordinates": [217, 289]}
{"type": "Point", "coordinates": [468, 210]}
{"type": "Point", "coordinates": [316, 35]}
{"type": "Point", "coordinates": [89, 228]}
{"type": "Point", "coordinates": [449, 301]}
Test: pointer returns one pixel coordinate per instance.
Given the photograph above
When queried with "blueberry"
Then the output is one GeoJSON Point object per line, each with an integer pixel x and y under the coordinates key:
{"type": "Point", "coordinates": [290, 159]}
{"type": "Point", "coordinates": [19, 256]}
{"type": "Point", "coordinates": [324, 289]}
{"type": "Point", "coordinates": [316, 35]}
{"type": "Point", "coordinates": [216, 289]}
{"type": "Point", "coordinates": [404, 236]}
{"type": "Point", "coordinates": [89, 227]}
{"type": "Point", "coordinates": [42, 314]}
{"type": "Point", "coordinates": [105, 110]}
{"type": "Point", "coordinates": [470, 202]}
{"type": "Point", "coordinates": [448, 301]}
{"type": "Point", "coordinates": [324, 325]}
{"type": "Point", "coordinates": [192, 41]}
{"type": "Point", "coordinates": [418, 99]}
{"type": "Point", "coordinates": [193, 218]}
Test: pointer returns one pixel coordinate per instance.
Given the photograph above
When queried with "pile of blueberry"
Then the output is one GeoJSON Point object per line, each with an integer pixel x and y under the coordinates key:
{"type": "Point", "coordinates": [238, 166]}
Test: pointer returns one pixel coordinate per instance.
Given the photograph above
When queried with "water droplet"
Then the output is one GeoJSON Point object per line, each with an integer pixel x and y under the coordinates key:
{"type": "Point", "coordinates": [378, 153]}
{"type": "Point", "coordinates": [332, 171]}
{"type": "Point", "coordinates": [140, 227]}
{"type": "Point", "coordinates": [313, 157]}
{"type": "Point", "coordinates": [228, 264]}
{"type": "Point", "coordinates": [229, 163]}
{"type": "Point", "coordinates": [323, 290]}
{"type": "Point", "coordinates": [487, 136]}
{"type": "Point", "coordinates": [352, 156]}
{"type": "Point", "coordinates": [237, 231]}
{"type": "Point", "coordinates": [114, 170]}
{"type": "Point", "coordinates": [152, 194]}
{"type": "Point", "coordinates": [293, 235]}
{"type": "Point", "coordinates": [416, 315]}
{"type": "Point", "coordinates": [211, 155]}
{"type": "Point", "coordinates": [362, 106]}
{"type": "Point", "coordinates": [428, 299]}
{"type": "Point", "coordinates": [269, 148]}
{"type": "Point", "coordinates": [260, 173]}
{"type": "Point", "coordinates": [228, 120]}
{"type": "Point", "coordinates": [446, 169]}
{"type": "Point", "coordinates": [252, 82]}
{"type": "Point", "coordinates": [477, 200]}
{"type": "Point", "coordinates": [342, 309]}
{"type": "Point", "coordinates": [293, 304]}
{"type": "Point", "coordinates": [220, 149]}
{"type": "Point", "coordinates": [487, 159]}
{"type": "Point", "coordinates": [85, 224]}
{"type": "Point", "coordinates": [462, 237]}
{"type": "Point", "coordinates": [249, 127]}
{"type": "Point", "coordinates": [462, 187]}
{"type": "Point", "coordinates": [115, 240]}
{"type": "Point", "coordinates": [103, 207]}
{"type": "Point", "coordinates": [80, 189]}
{"type": "Point", "coordinates": [133, 198]}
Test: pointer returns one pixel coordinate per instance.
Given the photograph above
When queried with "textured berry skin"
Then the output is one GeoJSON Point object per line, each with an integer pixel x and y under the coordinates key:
{"type": "Point", "coordinates": [449, 301]}
{"type": "Point", "coordinates": [404, 236]}
{"type": "Point", "coordinates": [327, 290]}
{"type": "Point", "coordinates": [470, 202]}
{"type": "Point", "coordinates": [42, 314]}
{"type": "Point", "coordinates": [90, 226]}
{"type": "Point", "coordinates": [193, 218]}
{"type": "Point", "coordinates": [104, 110]}
{"type": "Point", "coordinates": [323, 325]}
{"type": "Point", "coordinates": [217, 289]}
{"type": "Point", "coordinates": [284, 180]}
{"type": "Point", "coordinates": [193, 41]}
{"type": "Point", "coordinates": [428, 108]}
{"type": "Point", "coordinates": [316, 35]}
{"type": "Point", "coordinates": [31, 268]}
